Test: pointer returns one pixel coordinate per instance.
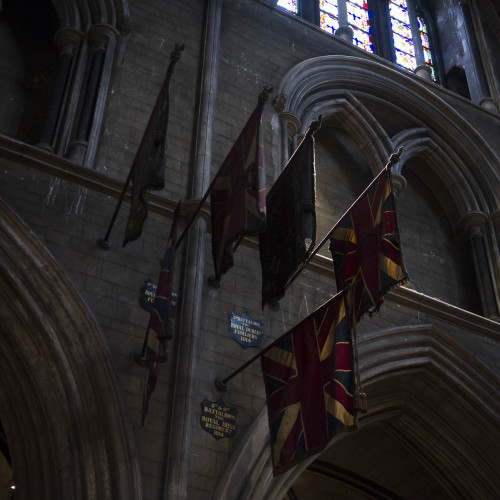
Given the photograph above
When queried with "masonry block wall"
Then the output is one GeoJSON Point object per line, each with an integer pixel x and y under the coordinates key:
{"type": "Point", "coordinates": [258, 45]}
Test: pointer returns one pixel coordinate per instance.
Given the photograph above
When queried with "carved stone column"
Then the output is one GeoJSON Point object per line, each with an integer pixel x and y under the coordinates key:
{"type": "Point", "coordinates": [67, 40]}
{"type": "Point", "coordinates": [290, 125]}
{"type": "Point", "coordinates": [102, 39]}
{"type": "Point", "coordinates": [473, 223]}
{"type": "Point", "coordinates": [344, 31]}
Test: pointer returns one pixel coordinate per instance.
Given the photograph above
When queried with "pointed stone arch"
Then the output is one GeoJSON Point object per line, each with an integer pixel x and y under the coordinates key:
{"type": "Point", "coordinates": [445, 400]}
{"type": "Point", "coordinates": [60, 404]}
{"type": "Point", "coordinates": [311, 85]}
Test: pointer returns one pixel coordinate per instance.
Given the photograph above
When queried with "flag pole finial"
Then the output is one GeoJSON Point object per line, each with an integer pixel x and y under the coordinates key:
{"type": "Point", "coordinates": [264, 95]}
{"type": "Point", "coordinates": [394, 158]}
{"type": "Point", "coordinates": [175, 55]}
{"type": "Point", "coordinates": [316, 124]}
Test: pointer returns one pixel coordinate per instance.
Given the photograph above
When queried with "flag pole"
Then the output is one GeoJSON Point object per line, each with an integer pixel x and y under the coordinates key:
{"type": "Point", "coordinates": [140, 358]}
{"type": "Point", "coordinates": [104, 242]}
{"type": "Point", "coordinates": [263, 96]}
{"type": "Point", "coordinates": [394, 158]}
{"type": "Point", "coordinates": [221, 384]}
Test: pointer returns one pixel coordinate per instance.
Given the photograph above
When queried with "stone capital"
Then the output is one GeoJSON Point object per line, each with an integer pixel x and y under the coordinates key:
{"type": "Point", "coordinates": [345, 32]}
{"type": "Point", "coordinates": [398, 184]}
{"type": "Point", "coordinates": [100, 34]}
{"type": "Point", "coordinates": [473, 222]}
{"type": "Point", "coordinates": [423, 71]}
{"type": "Point", "coordinates": [67, 40]}
{"type": "Point", "coordinates": [279, 103]}
{"type": "Point", "coordinates": [292, 121]}
{"type": "Point", "coordinates": [489, 104]}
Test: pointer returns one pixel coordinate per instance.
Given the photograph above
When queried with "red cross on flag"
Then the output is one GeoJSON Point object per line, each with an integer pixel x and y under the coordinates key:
{"type": "Point", "coordinates": [365, 246]}
{"type": "Point", "coordinates": [309, 385]}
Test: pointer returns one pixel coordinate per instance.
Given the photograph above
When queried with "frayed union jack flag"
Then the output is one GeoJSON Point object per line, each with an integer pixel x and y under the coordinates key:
{"type": "Point", "coordinates": [365, 247]}
{"type": "Point", "coordinates": [309, 382]}
{"type": "Point", "coordinates": [159, 327]}
{"type": "Point", "coordinates": [238, 196]}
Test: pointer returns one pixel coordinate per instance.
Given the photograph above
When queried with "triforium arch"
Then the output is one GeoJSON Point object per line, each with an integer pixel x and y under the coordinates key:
{"type": "Point", "coordinates": [405, 371]}
{"type": "Point", "coordinates": [86, 38]}
{"type": "Point", "coordinates": [342, 89]}
{"type": "Point", "coordinates": [311, 83]}
{"type": "Point", "coordinates": [60, 404]}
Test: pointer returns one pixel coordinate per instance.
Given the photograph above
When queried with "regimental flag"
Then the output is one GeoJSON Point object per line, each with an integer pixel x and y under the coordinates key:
{"type": "Point", "coordinates": [365, 247]}
{"type": "Point", "coordinates": [309, 382]}
{"type": "Point", "coordinates": [148, 168]}
{"type": "Point", "coordinates": [159, 327]}
{"type": "Point", "coordinates": [290, 232]}
{"type": "Point", "coordinates": [238, 193]}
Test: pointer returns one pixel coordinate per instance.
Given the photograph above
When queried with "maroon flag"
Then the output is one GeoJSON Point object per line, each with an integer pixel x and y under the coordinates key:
{"type": "Point", "coordinates": [159, 328]}
{"type": "Point", "coordinates": [309, 382]}
{"type": "Point", "coordinates": [365, 246]}
{"type": "Point", "coordinates": [238, 196]}
{"type": "Point", "coordinates": [148, 169]}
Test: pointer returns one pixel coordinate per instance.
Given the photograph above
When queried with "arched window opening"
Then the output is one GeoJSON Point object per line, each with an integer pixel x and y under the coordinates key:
{"type": "Point", "coordinates": [394, 29]}
{"type": "Point", "coordinates": [410, 36]}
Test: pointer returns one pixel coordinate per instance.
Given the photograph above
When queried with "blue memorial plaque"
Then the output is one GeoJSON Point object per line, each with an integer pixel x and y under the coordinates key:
{"type": "Point", "coordinates": [148, 298]}
{"type": "Point", "coordinates": [218, 419]}
{"type": "Point", "coordinates": [245, 330]}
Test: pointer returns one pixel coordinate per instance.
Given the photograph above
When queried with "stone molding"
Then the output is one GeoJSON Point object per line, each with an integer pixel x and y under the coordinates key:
{"type": "Point", "coordinates": [61, 405]}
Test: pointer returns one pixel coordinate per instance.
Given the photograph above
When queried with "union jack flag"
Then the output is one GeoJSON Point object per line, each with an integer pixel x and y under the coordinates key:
{"type": "Point", "coordinates": [365, 246]}
{"type": "Point", "coordinates": [159, 327]}
{"type": "Point", "coordinates": [309, 383]}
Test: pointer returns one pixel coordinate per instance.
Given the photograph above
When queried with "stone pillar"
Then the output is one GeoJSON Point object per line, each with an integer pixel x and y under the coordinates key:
{"type": "Point", "coordinates": [486, 101]}
{"type": "Point", "coordinates": [67, 40]}
{"type": "Point", "coordinates": [179, 448]}
{"type": "Point", "coordinates": [422, 69]}
{"type": "Point", "coordinates": [473, 223]}
{"type": "Point", "coordinates": [290, 125]}
{"type": "Point", "coordinates": [100, 36]}
{"type": "Point", "coordinates": [344, 31]}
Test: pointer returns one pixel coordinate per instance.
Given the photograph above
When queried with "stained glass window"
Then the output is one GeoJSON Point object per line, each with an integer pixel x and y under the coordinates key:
{"type": "Point", "coordinates": [425, 46]}
{"type": "Point", "coordinates": [357, 17]}
{"type": "Point", "coordinates": [401, 34]}
{"type": "Point", "coordinates": [290, 5]}
{"type": "Point", "coordinates": [329, 15]}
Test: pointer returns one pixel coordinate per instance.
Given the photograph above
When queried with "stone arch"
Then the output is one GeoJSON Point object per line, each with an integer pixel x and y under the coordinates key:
{"type": "Point", "coordinates": [440, 390]}
{"type": "Point", "coordinates": [312, 83]}
{"type": "Point", "coordinates": [82, 15]}
{"type": "Point", "coordinates": [348, 112]}
{"type": "Point", "coordinates": [418, 142]}
{"type": "Point", "coordinates": [60, 404]}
